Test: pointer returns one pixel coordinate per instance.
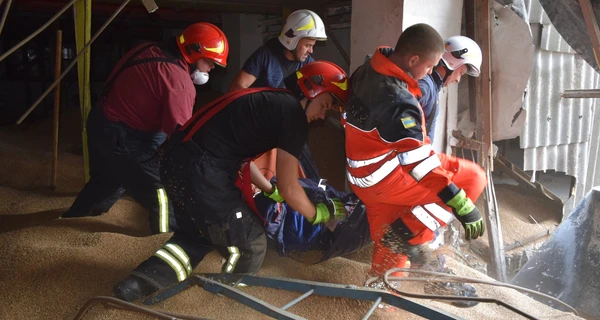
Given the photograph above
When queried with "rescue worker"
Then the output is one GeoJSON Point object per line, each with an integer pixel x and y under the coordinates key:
{"type": "Point", "coordinates": [390, 163]}
{"type": "Point", "coordinates": [149, 92]}
{"type": "Point", "coordinates": [200, 169]}
{"type": "Point", "coordinates": [462, 56]}
{"type": "Point", "coordinates": [273, 62]}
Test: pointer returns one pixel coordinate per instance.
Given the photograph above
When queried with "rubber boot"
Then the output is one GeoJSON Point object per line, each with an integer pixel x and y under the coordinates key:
{"type": "Point", "coordinates": [133, 288]}
{"type": "Point", "coordinates": [384, 259]}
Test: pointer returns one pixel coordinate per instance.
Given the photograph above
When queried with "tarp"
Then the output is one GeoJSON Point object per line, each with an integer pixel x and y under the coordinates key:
{"type": "Point", "coordinates": [567, 266]}
{"type": "Point", "coordinates": [293, 236]}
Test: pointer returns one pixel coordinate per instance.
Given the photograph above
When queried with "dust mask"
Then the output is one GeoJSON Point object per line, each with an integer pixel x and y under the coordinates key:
{"type": "Point", "coordinates": [199, 78]}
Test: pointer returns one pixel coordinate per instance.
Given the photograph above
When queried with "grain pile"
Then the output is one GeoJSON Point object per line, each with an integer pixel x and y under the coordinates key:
{"type": "Point", "coordinates": [50, 267]}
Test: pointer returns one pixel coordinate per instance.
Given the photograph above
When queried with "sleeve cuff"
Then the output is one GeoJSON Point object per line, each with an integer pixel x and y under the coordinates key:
{"type": "Point", "coordinates": [448, 192]}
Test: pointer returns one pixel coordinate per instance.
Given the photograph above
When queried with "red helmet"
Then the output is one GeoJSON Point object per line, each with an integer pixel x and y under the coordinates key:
{"type": "Point", "coordinates": [320, 77]}
{"type": "Point", "coordinates": [203, 40]}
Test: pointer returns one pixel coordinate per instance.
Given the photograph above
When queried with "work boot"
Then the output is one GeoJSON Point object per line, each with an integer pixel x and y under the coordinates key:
{"type": "Point", "coordinates": [133, 288]}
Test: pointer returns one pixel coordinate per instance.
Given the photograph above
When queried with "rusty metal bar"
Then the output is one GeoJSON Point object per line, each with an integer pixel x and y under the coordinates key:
{"type": "Point", "coordinates": [574, 94]}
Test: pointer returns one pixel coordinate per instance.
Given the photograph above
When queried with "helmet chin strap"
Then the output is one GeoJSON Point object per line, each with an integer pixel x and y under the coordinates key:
{"type": "Point", "coordinates": [448, 71]}
{"type": "Point", "coordinates": [308, 101]}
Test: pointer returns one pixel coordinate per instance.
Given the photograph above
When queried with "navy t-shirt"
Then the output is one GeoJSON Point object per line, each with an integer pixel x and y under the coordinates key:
{"type": "Point", "coordinates": [270, 66]}
{"type": "Point", "coordinates": [430, 88]}
{"type": "Point", "coordinates": [254, 124]}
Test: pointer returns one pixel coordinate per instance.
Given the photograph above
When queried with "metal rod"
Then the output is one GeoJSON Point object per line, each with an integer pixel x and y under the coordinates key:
{"type": "Point", "coordinates": [300, 298]}
{"type": "Point", "coordinates": [36, 32]}
{"type": "Point", "coordinates": [574, 94]}
{"type": "Point", "coordinates": [4, 14]}
{"type": "Point", "coordinates": [68, 68]}
{"type": "Point", "coordinates": [55, 124]}
{"type": "Point", "coordinates": [439, 276]}
{"type": "Point", "coordinates": [373, 307]}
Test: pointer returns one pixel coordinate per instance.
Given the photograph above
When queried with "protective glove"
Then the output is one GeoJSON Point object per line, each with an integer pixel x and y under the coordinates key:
{"type": "Point", "coordinates": [465, 211]}
{"type": "Point", "coordinates": [334, 209]}
{"type": "Point", "coordinates": [275, 196]}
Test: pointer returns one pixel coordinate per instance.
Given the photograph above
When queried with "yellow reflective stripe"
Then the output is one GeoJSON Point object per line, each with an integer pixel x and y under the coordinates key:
{"type": "Point", "coordinates": [163, 211]}
{"type": "Point", "coordinates": [178, 253]}
{"type": "Point", "coordinates": [173, 263]}
{"type": "Point", "coordinates": [234, 256]}
{"type": "Point", "coordinates": [309, 26]}
{"type": "Point", "coordinates": [218, 49]}
{"type": "Point", "coordinates": [426, 166]}
{"type": "Point", "coordinates": [341, 85]}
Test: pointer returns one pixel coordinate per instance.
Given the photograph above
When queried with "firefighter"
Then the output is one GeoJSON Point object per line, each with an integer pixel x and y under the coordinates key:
{"type": "Point", "coordinates": [390, 163]}
{"type": "Point", "coordinates": [462, 56]}
{"type": "Point", "coordinates": [201, 165]}
{"type": "Point", "coordinates": [273, 62]}
{"type": "Point", "coordinates": [149, 92]}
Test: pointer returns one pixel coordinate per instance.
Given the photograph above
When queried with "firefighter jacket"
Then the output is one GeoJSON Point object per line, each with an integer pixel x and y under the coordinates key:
{"type": "Point", "coordinates": [385, 131]}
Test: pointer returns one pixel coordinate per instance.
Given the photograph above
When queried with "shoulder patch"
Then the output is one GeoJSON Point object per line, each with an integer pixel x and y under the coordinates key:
{"type": "Point", "coordinates": [408, 122]}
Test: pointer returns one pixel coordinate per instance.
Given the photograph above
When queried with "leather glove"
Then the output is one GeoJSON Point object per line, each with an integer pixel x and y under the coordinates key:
{"type": "Point", "coordinates": [334, 209]}
{"type": "Point", "coordinates": [465, 211]}
{"type": "Point", "coordinates": [275, 196]}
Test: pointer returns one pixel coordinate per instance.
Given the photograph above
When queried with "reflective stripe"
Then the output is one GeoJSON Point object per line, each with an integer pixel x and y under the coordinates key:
{"type": "Point", "coordinates": [361, 163]}
{"type": "Point", "coordinates": [439, 212]}
{"type": "Point", "coordinates": [177, 252]}
{"type": "Point", "coordinates": [163, 211]}
{"type": "Point", "coordinates": [416, 155]}
{"type": "Point", "coordinates": [425, 218]}
{"type": "Point", "coordinates": [234, 256]}
{"type": "Point", "coordinates": [423, 168]}
{"type": "Point", "coordinates": [376, 176]}
{"type": "Point", "coordinates": [173, 263]}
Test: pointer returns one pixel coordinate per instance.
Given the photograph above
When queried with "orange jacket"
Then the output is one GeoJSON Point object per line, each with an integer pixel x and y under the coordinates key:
{"type": "Point", "coordinates": [385, 128]}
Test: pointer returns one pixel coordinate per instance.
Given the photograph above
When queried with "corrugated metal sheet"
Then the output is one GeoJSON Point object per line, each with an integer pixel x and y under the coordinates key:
{"type": "Point", "coordinates": [557, 132]}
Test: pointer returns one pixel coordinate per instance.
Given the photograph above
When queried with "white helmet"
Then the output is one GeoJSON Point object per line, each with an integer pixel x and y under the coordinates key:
{"type": "Point", "coordinates": [302, 24]}
{"type": "Point", "coordinates": [462, 50]}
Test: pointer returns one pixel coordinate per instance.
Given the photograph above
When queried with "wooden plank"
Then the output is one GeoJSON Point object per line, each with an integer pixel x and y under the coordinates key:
{"type": "Point", "coordinates": [592, 25]}
{"type": "Point", "coordinates": [57, 72]}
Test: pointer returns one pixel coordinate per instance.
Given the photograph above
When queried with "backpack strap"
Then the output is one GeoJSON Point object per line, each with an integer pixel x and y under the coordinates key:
{"type": "Point", "coordinates": [131, 62]}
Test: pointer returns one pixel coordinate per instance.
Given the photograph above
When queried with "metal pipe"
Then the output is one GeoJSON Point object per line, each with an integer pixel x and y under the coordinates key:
{"type": "Point", "coordinates": [4, 14]}
{"type": "Point", "coordinates": [373, 307]}
{"type": "Point", "coordinates": [300, 298]}
{"type": "Point", "coordinates": [574, 94]}
{"type": "Point", "coordinates": [68, 68]}
{"type": "Point", "coordinates": [36, 32]}
{"type": "Point", "coordinates": [439, 276]}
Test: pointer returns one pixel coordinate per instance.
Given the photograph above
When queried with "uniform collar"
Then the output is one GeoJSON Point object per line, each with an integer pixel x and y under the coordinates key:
{"type": "Point", "coordinates": [383, 65]}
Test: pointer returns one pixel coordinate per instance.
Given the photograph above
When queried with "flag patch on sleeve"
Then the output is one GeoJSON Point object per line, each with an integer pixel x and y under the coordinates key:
{"type": "Point", "coordinates": [408, 122]}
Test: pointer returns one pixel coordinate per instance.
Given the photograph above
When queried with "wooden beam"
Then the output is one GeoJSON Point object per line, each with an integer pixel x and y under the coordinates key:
{"type": "Point", "coordinates": [484, 134]}
{"type": "Point", "coordinates": [57, 72]}
{"type": "Point", "coordinates": [592, 26]}
{"type": "Point", "coordinates": [484, 83]}
{"type": "Point", "coordinates": [469, 8]}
